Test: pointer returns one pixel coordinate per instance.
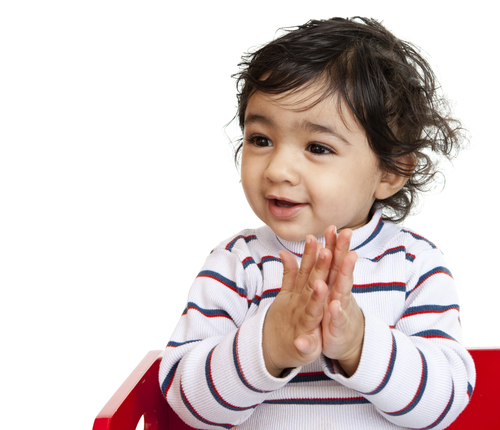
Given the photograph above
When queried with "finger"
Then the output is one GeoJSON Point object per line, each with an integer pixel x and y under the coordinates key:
{"type": "Point", "coordinates": [319, 247]}
{"type": "Point", "coordinates": [341, 249]}
{"type": "Point", "coordinates": [338, 318]}
{"type": "Point", "coordinates": [307, 263]}
{"type": "Point", "coordinates": [319, 272]}
{"type": "Point", "coordinates": [331, 238]}
{"type": "Point", "coordinates": [310, 321]}
{"type": "Point", "coordinates": [290, 271]}
{"type": "Point", "coordinates": [312, 314]}
{"type": "Point", "coordinates": [345, 279]}
{"type": "Point", "coordinates": [307, 344]}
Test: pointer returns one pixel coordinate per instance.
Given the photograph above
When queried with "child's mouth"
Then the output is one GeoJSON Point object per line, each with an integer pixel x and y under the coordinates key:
{"type": "Point", "coordinates": [284, 203]}
{"type": "Point", "coordinates": [284, 209]}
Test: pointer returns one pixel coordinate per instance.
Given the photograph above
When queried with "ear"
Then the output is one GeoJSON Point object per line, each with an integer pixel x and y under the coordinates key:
{"type": "Point", "coordinates": [392, 182]}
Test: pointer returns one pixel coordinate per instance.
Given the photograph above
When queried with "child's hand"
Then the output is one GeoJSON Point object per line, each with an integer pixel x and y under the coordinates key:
{"type": "Point", "coordinates": [292, 328]}
{"type": "Point", "coordinates": [343, 322]}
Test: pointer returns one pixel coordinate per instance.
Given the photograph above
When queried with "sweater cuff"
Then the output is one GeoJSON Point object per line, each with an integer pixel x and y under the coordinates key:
{"type": "Point", "coordinates": [249, 358]}
{"type": "Point", "coordinates": [377, 359]}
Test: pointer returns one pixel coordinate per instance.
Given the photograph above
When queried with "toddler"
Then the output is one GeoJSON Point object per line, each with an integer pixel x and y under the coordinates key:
{"type": "Point", "coordinates": [331, 316]}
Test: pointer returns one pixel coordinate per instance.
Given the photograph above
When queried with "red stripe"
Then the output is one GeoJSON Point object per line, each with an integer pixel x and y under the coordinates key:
{"type": "Point", "coordinates": [417, 392]}
{"type": "Point", "coordinates": [431, 274]}
{"type": "Point", "coordinates": [196, 414]}
{"type": "Point", "coordinates": [215, 389]}
{"type": "Point", "coordinates": [434, 311]}
{"type": "Point", "coordinates": [238, 361]}
{"type": "Point", "coordinates": [389, 250]}
{"type": "Point", "coordinates": [378, 283]}
{"type": "Point", "coordinates": [223, 283]}
{"type": "Point", "coordinates": [246, 259]}
{"type": "Point", "coordinates": [239, 237]}
{"type": "Point", "coordinates": [207, 315]}
{"type": "Point", "coordinates": [170, 384]}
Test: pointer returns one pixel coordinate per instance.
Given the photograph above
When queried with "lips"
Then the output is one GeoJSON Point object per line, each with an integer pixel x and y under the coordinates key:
{"type": "Point", "coordinates": [283, 208]}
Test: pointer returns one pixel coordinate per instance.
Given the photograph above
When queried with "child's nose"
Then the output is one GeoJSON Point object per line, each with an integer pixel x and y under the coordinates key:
{"type": "Point", "coordinates": [283, 167]}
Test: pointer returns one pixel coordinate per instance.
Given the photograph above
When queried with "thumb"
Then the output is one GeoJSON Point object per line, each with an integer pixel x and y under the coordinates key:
{"type": "Point", "coordinates": [306, 344]}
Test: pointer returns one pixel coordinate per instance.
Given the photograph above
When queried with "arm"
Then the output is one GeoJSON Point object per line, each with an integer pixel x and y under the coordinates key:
{"type": "Point", "coordinates": [211, 373]}
{"type": "Point", "coordinates": [417, 375]}
{"type": "Point", "coordinates": [222, 362]}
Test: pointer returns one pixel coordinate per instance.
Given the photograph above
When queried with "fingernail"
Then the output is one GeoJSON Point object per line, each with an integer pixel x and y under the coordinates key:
{"type": "Point", "coordinates": [321, 255]}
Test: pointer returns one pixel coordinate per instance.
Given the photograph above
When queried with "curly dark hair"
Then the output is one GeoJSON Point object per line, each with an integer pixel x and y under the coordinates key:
{"type": "Point", "coordinates": [389, 87]}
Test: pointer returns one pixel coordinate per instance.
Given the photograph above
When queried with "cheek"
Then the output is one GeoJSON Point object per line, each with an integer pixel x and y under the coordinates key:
{"type": "Point", "coordinates": [248, 176]}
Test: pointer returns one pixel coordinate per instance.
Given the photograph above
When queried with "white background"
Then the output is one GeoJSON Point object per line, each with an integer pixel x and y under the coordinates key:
{"type": "Point", "coordinates": [116, 177]}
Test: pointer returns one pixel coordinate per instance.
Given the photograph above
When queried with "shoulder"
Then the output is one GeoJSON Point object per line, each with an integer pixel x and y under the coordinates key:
{"type": "Point", "coordinates": [390, 238]}
{"type": "Point", "coordinates": [249, 241]}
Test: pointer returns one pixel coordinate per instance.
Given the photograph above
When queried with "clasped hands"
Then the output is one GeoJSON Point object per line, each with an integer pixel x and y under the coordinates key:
{"type": "Point", "coordinates": [315, 311]}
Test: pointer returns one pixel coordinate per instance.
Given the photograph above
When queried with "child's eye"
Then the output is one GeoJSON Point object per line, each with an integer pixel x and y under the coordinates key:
{"type": "Point", "coordinates": [260, 141]}
{"type": "Point", "coordinates": [319, 149]}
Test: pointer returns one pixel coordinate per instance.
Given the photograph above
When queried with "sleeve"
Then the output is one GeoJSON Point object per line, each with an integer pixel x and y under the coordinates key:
{"type": "Point", "coordinates": [416, 374]}
{"type": "Point", "coordinates": [213, 372]}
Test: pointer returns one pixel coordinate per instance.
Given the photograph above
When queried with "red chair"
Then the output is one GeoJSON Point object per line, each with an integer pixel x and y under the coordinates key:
{"type": "Point", "coordinates": [140, 395]}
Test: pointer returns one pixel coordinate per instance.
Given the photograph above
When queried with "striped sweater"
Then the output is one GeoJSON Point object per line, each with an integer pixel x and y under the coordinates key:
{"type": "Point", "coordinates": [413, 371]}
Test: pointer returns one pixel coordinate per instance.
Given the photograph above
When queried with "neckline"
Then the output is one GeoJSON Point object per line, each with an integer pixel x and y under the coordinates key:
{"type": "Point", "coordinates": [360, 237]}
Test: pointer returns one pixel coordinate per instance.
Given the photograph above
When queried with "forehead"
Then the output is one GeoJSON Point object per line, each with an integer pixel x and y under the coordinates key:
{"type": "Point", "coordinates": [307, 108]}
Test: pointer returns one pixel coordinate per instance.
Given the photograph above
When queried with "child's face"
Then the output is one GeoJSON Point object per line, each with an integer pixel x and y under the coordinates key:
{"type": "Point", "coordinates": [304, 170]}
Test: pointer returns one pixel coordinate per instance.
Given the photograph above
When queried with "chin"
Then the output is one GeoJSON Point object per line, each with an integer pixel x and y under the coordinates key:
{"type": "Point", "coordinates": [290, 235]}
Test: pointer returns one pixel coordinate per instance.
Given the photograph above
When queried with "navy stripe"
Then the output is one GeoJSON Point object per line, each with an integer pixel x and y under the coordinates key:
{"type": "Point", "coordinates": [424, 309]}
{"type": "Point", "coordinates": [223, 280]}
{"type": "Point", "coordinates": [267, 294]}
{"type": "Point", "coordinates": [197, 415]}
{"type": "Point", "coordinates": [319, 401]}
{"type": "Point", "coordinates": [247, 262]}
{"type": "Point", "coordinates": [425, 276]}
{"type": "Point", "coordinates": [177, 344]}
{"type": "Point", "coordinates": [418, 237]}
{"type": "Point", "coordinates": [289, 250]}
{"type": "Point", "coordinates": [392, 251]}
{"type": "Point", "coordinates": [209, 313]}
{"type": "Point", "coordinates": [420, 391]}
{"type": "Point", "coordinates": [470, 390]}
{"type": "Point", "coordinates": [211, 386]}
{"type": "Point", "coordinates": [329, 365]}
{"type": "Point", "coordinates": [388, 252]}
{"type": "Point", "coordinates": [236, 362]}
{"type": "Point", "coordinates": [372, 288]}
{"type": "Point", "coordinates": [433, 334]}
{"type": "Point", "coordinates": [439, 269]}
{"type": "Point", "coordinates": [247, 239]}
{"type": "Point", "coordinates": [390, 368]}
{"type": "Point", "coordinates": [377, 230]}
{"type": "Point", "coordinates": [447, 409]}
{"type": "Point", "coordinates": [310, 377]}
{"type": "Point", "coordinates": [266, 259]}
{"type": "Point", "coordinates": [168, 380]}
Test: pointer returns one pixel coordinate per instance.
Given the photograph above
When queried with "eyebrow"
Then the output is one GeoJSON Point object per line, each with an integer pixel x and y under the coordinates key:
{"type": "Point", "coordinates": [318, 128]}
{"type": "Point", "coordinates": [306, 125]}
{"type": "Point", "coordinates": [257, 118]}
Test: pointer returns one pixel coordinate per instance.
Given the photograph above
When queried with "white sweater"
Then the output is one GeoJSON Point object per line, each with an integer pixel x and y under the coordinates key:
{"type": "Point", "coordinates": [413, 371]}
